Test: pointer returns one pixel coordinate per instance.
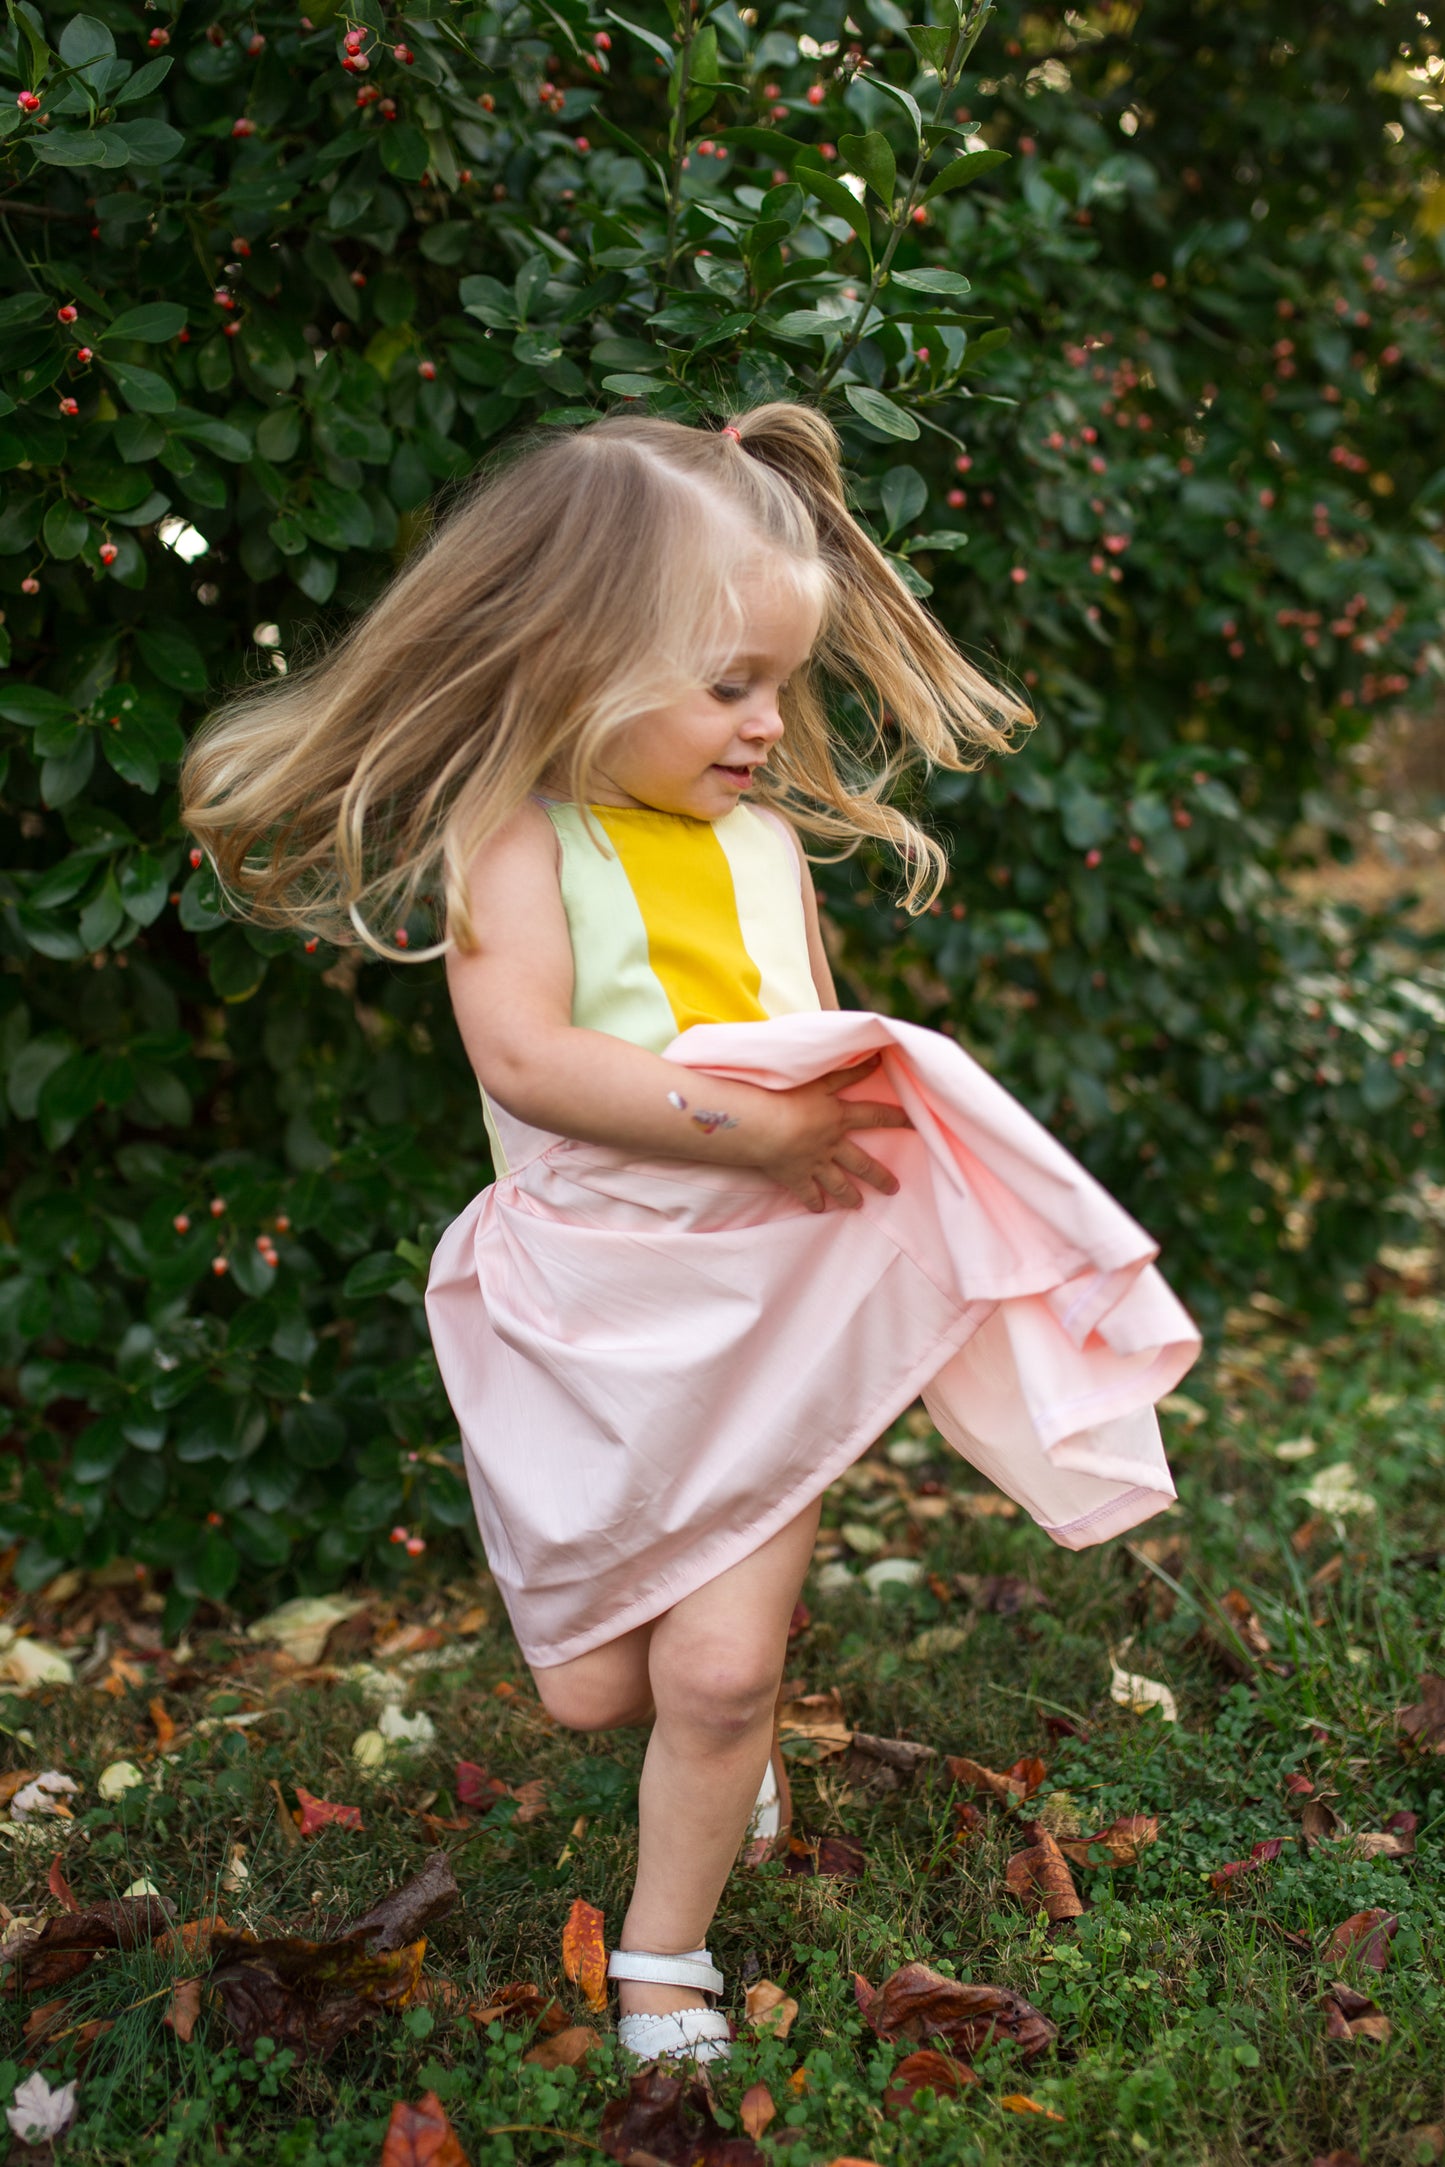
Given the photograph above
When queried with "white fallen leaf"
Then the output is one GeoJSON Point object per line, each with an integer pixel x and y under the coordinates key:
{"type": "Point", "coordinates": [833, 1577]}
{"type": "Point", "coordinates": [1336, 1491]}
{"type": "Point", "coordinates": [369, 1749]}
{"type": "Point", "coordinates": [41, 2111]}
{"type": "Point", "coordinates": [28, 1664]}
{"type": "Point", "coordinates": [910, 1451]}
{"type": "Point", "coordinates": [141, 1888]}
{"type": "Point", "coordinates": [937, 1640]}
{"type": "Point", "coordinates": [1188, 1410]}
{"type": "Point", "coordinates": [45, 1795]}
{"type": "Point", "coordinates": [1295, 1448]}
{"type": "Point", "coordinates": [405, 1731]}
{"type": "Point", "coordinates": [300, 1627]}
{"type": "Point", "coordinates": [892, 1572]}
{"type": "Point", "coordinates": [120, 1776]}
{"type": "Point", "coordinates": [1130, 1690]}
{"type": "Point", "coordinates": [861, 1536]}
{"type": "Point", "coordinates": [374, 1682]}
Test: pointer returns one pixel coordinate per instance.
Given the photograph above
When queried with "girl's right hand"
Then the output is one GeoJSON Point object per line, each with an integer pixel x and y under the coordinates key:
{"type": "Point", "coordinates": [808, 1148]}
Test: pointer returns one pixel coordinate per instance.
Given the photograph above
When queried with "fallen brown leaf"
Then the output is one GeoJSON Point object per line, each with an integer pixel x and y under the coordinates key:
{"type": "Point", "coordinates": [566, 2049]}
{"type": "Point", "coordinates": [1040, 1877]}
{"type": "Point", "coordinates": [1396, 1840]}
{"type": "Point", "coordinates": [1003, 1595]}
{"type": "Point", "coordinates": [1298, 1786]}
{"type": "Point", "coordinates": [192, 1939]}
{"type": "Point", "coordinates": [584, 1958]}
{"type": "Point", "coordinates": [881, 1765]}
{"type": "Point", "coordinates": [1225, 1880]}
{"type": "Point", "coordinates": [1423, 1722]}
{"type": "Point", "coordinates": [59, 1887]}
{"type": "Point", "coordinates": [401, 1915]}
{"type": "Point", "coordinates": [409, 1640]}
{"type": "Point", "coordinates": [1009, 1786]}
{"type": "Point", "coordinates": [1349, 2015]}
{"type": "Point", "coordinates": [184, 2008]}
{"type": "Point", "coordinates": [1337, 2159]}
{"type": "Point", "coordinates": [319, 1813]}
{"type": "Point", "coordinates": [837, 1857]}
{"type": "Point", "coordinates": [531, 1800]}
{"type": "Point", "coordinates": [916, 2002]}
{"type": "Point", "coordinates": [925, 2070]}
{"type": "Point", "coordinates": [476, 1787]}
{"type": "Point", "coordinates": [1366, 1936]}
{"type": "Point", "coordinates": [521, 2003]}
{"type": "Point", "coordinates": [285, 1819]}
{"type": "Point", "coordinates": [1059, 1726]}
{"type": "Point", "coordinates": [1319, 1823]}
{"type": "Point", "coordinates": [770, 2009]}
{"type": "Point", "coordinates": [44, 2020]}
{"type": "Point", "coordinates": [818, 1718]}
{"type": "Point", "coordinates": [421, 2136]}
{"type": "Point", "coordinates": [307, 1994]}
{"type": "Point", "coordinates": [671, 2120]}
{"type": "Point", "coordinates": [165, 1724]}
{"type": "Point", "coordinates": [1117, 1845]}
{"type": "Point", "coordinates": [756, 2109]}
{"type": "Point", "coordinates": [968, 1819]}
{"type": "Point", "coordinates": [1020, 2103]}
{"type": "Point", "coordinates": [1426, 2141]}
{"type": "Point", "coordinates": [63, 1948]}
{"type": "Point", "coordinates": [14, 1780]}
{"type": "Point", "coordinates": [1246, 1625]}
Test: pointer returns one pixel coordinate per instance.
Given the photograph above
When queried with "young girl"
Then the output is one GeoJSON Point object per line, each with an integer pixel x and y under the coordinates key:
{"type": "Point", "coordinates": [734, 1231]}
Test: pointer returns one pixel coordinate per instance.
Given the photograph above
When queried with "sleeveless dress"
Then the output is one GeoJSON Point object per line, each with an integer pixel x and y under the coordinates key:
{"type": "Point", "coordinates": [655, 1364]}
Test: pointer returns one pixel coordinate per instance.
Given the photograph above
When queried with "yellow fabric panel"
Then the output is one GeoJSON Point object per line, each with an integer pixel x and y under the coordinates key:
{"type": "Point", "coordinates": [682, 880]}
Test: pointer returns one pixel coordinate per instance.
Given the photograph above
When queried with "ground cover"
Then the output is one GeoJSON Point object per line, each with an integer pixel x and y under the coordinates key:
{"type": "Point", "coordinates": [1203, 2005]}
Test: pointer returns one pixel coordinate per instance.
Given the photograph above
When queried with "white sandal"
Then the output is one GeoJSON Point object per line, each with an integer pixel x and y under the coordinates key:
{"type": "Point", "coordinates": [704, 2035]}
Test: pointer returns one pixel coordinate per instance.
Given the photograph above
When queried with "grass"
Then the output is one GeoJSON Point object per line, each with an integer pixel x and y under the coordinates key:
{"type": "Point", "coordinates": [1189, 2028]}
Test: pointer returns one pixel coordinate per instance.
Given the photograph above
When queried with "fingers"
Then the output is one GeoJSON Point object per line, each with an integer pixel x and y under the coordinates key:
{"type": "Point", "coordinates": [838, 1077]}
{"type": "Point", "coordinates": [858, 1163]}
{"type": "Point", "coordinates": [872, 1114]}
{"type": "Point", "coordinates": [839, 1188]}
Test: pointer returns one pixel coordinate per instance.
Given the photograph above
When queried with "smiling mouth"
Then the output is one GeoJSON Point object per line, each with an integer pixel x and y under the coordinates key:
{"type": "Point", "coordinates": [734, 774]}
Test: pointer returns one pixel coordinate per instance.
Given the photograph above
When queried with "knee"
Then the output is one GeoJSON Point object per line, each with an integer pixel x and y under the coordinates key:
{"type": "Point", "coordinates": [588, 1705]}
{"type": "Point", "coordinates": [723, 1693]}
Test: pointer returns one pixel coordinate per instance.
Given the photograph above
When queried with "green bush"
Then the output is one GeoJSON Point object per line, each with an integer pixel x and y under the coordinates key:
{"type": "Point", "coordinates": [1132, 330]}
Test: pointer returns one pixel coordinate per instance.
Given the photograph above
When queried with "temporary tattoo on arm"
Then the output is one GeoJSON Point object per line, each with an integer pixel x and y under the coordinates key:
{"type": "Point", "coordinates": [709, 1123]}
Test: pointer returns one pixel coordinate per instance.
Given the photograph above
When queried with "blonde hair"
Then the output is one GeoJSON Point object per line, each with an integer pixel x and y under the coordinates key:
{"type": "Point", "coordinates": [576, 585]}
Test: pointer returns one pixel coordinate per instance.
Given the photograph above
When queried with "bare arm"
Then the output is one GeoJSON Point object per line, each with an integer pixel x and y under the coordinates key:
{"type": "Point", "coordinates": [512, 997]}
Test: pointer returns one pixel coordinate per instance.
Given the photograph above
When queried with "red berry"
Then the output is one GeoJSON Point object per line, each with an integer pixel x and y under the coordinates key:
{"type": "Point", "coordinates": [414, 1546]}
{"type": "Point", "coordinates": [108, 552]}
{"type": "Point", "coordinates": [255, 44]}
{"type": "Point", "coordinates": [214, 1519]}
{"type": "Point", "coordinates": [30, 585]}
{"type": "Point", "coordinates": [404, 54]}
{"type": "Point", "coordinates": [427, 370]}
{"type": "Point", "coordinates": [1182, 819]}
{"type": "Point", "coordinates": [358, 278]}
{"type": "Point", "coordinates": [28, 102]}
{"type": "Point", "coordinates": [581, 145]}
{"type": "Point", "coordinates": [920, 216]}
{"type": "Point", "coordinates": [240, 246]}
{"type": "Point", "coordinates": [402, 937]}
{"type": "Point", "coordinates": [181, 1223]}
{"type": "Point", "coordinates": [962, 463]}
{"type": "Point", "coordinates": [1018, 575]}
{"type": "Point", "coordinates": [243, 127]}
{"type": "Point", "coordinates": [603, 42]}
{"type": "Point", "coordinates": [196, 856]}
{"type": "Point", "coordinates": [311, 946]}
{"type": "Point", "coordinates": [957, 499]}
{"type": "Point", "coordinates": [231, 330]}
{"type": "Point", "coordinates": [84, 353]}
{"type": "Point", "coordinates": [283, 1223]}
{"type": "Point", "coordinates": [354, 40]}
{"type": "Point", "coordinates": [218, 1205]}
{"type": "Point", "coordinates": [69, 406]}
{"type": "Point", "coordinates": [68, 314]}
{"type": "Point", "coordinates": [816, 94]}
{"type": "Point", "coordinates": [1093, 858]}
{"type": "Point", "coordinates": [399, 1534]}
{"type": "Point", "coordinates": [488, 103]}
{"type": "Point", "coordinates": [220, 1266]}
{"type": "Point", "coordinates": [157, 39]}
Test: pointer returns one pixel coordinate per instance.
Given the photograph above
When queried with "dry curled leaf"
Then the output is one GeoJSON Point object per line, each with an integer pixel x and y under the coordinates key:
{"type": "Point", "coordinates": [1040, 1877]}
{"type": "Point", "coordinates": [165, 1724]}
{"type": "Point", "coordinates": [918, 2003]}
{"type": "Point", "coordinates": [421, 2136]}
{"type": "Point", "coordinates": [1365, 1936]}
{"type": "Point", "coordinates": [59, 1887]}
{"type": "Point", "coordinates": [1225, 1880]}
{"type": "Point", "coordinates": [1319, 1823]}
{"type": "Point", "coordinates": [671, 2120]}
{"type": "Point", "coordinates": [565, 2049]}
{"type": "Point", "coordinates": [818, 1718]}
{"type": "Point", "coordinates": [1396, 1840]}
{"type": "Point", "coordinates": [307, 1994]}
{"type": "Point", "coordinates": [192, 1939]}
{"type": "Point", "coordinates": [1009, 1786]}
{"type": "Point", "coordinates": [184, 2008]}
{"type": "Point", "coordinates": [1020, 2103]}
{"type": "Point", "coordinates": [584, 1957]}
{"type": "Point", "coordinates": [1349, 2015]}
{"type": "Point", "coordinates": [1117, 1845]}
{"type": "Point", "coordinates": [319, 1813]}
{"type": "Point", "coordinates": [520, 2003]}
{"type": "Point", "coordinates": [925, 2070]}
{"type": "Point", "coordinates": [756, 2109]}
{"type": "Point", "coordinates": [1423, 1721]}
{"type": "Point", "coordinates": [770, 2009]}
{"type": "Point", "coordinates": [63, 1948]}
{"type": "Point", "coordinates": [835, 1857]}
{"type": "Point", "coordinates": [477, 1789]}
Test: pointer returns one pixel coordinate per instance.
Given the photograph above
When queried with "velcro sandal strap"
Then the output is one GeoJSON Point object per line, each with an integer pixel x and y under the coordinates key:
{"type": "Point", "coordinates": [695, 1969]}
{"type": "Point", "coordinates": [703, 2034]}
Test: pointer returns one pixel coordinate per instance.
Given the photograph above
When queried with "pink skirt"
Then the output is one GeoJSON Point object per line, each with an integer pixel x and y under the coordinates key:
{"type": "Point", "coordinates": [656, 1364]}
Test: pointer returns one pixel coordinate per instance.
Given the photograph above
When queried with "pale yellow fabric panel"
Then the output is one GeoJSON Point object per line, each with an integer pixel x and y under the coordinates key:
{"type": "Point", "coordinates": [770, 909]}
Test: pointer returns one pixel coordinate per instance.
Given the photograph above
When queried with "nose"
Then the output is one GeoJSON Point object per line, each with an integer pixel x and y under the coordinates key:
{"type": "Point", "coordinates": [764, 725]}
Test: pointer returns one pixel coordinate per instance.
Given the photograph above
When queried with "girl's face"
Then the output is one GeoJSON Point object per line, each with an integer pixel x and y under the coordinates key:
{"type": "Point", "coordinates": [698, 754]}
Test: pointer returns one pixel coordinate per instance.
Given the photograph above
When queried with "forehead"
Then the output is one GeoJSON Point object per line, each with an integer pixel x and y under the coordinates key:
{"type": "Point", "coordinates": [779, 616]}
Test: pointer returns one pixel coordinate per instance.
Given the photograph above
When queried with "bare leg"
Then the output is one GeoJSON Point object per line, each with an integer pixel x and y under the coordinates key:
{"type": "Point", "coordinates": [708, 1670]}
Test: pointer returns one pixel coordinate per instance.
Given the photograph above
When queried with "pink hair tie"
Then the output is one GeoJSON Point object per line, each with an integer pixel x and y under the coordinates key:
{"type": "Point", "coordinates": [737, 434]}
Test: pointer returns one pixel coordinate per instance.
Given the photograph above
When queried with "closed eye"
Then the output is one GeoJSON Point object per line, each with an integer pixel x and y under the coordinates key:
{"type": "Point", "coordinates": [729, 692]}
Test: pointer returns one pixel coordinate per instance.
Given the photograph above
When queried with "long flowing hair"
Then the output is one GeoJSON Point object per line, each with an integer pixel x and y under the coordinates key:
{"type": "Point", "coordinates": [579, 582]}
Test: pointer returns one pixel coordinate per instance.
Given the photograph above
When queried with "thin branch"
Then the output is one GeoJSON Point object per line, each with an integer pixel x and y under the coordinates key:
{"type": "Point", "coordinates": [42, 210]}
